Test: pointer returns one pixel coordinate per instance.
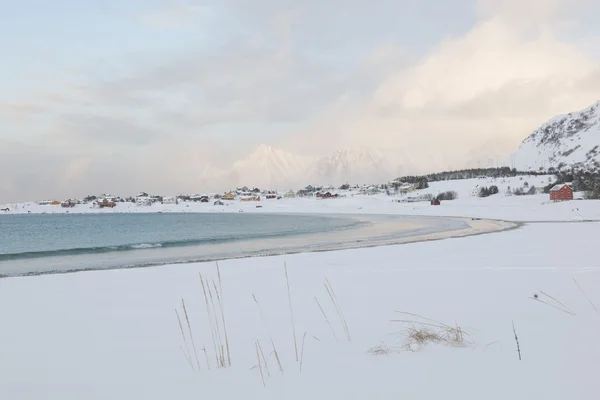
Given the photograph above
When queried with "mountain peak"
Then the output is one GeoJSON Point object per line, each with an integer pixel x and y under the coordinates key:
{"type": "Point", "coordinates": [569, 140]}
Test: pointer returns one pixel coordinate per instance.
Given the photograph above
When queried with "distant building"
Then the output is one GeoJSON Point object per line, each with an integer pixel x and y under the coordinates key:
{"type": "Point", "coordinates": [561, 192]}
{"type": "Point", "coordinates": [169, 200]}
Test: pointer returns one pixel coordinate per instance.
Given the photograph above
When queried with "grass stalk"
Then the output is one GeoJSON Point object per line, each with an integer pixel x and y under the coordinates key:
{"type": "Point", "coordinates": [302, 352]}
{"type": "Point", "coordinates": [191, 334]}
{"type": "Point", "coordinates": [327, 319]}
{"type": "Point", "coordinates": [338, 309]}
{"type": "Point", "coordinates": [186, 352]}
{"type": "Point", "coordinates": [222, 361]}
{"type": "Point", "coordinates": [553, 306]}
{"type": "Point", "coordinates": [262, 354]}
{"type": "Point", "coordinates": [585, 295]}
{"type": "Point", "coordinates": [206, 356]}
{"type": "Point", "coordinates": [210, 319]}
{"type": "Point", "coordinates": [223, 315]}
{"type": "Point", "coordinates": [262, 376]}
{"type": "Point", "coordinates": [517, 340]}
{"type": "Point", "coordinates": [564, 306]}
{"type": "Point", "coordinates": [187, 358]}
{"type": "Point", "coordinates": [287, 279]}
{"type": "Point", "coordinates": [262, 315]}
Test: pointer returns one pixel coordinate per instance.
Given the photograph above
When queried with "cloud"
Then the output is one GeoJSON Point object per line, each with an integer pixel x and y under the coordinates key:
{"type": "Point", "coordinates": [175, 15]}
{"type": "Point", "coordinates": [178, 120]}
{"type": "Point", "coordinates": [18, 112]}
{"type": "Point", "coordinates": [499, 80]}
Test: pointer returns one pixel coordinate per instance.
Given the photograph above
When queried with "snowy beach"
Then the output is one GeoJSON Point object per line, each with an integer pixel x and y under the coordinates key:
{"type": "Point", "coordinates": [115, 334]}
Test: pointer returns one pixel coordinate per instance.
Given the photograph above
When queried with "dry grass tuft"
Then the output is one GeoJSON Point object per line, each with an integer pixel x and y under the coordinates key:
{"type": "Point", "coordinates": [419, 333]}
{"type": "Point", "coordinates": [381, 350]}
{"type": "Point", "coordinates": [422, 336]}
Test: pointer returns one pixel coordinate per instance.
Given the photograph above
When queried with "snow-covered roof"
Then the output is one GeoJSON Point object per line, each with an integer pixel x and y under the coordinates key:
{"type": "Point", "coordinates": [556, 188]}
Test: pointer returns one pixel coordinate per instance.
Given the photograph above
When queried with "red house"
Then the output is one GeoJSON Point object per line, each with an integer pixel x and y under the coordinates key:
{"type": "Point", "coordinates": [561, 192]}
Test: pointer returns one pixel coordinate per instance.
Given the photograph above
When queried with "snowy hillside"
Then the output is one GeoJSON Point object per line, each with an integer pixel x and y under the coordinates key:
{"type": "Point", "coordinates": [564, 141]}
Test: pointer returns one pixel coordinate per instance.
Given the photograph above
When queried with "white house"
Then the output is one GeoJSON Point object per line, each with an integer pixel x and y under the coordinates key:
{"type": "Point", "coordinates": [169, 200]}
{"type": "Point", "coordinates": [143, 201]}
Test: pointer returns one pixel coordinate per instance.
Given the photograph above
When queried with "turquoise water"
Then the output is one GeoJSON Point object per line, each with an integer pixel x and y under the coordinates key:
{"type": "Point", "coordinates": [34, 244]}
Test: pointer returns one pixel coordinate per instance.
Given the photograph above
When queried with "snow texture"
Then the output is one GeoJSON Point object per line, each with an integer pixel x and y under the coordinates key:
{"type": "Point", "coordinates": [115, 334]}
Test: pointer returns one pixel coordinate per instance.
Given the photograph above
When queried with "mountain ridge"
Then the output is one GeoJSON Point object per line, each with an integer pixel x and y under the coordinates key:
{"type": "Point", "coordinates": [565, 141]}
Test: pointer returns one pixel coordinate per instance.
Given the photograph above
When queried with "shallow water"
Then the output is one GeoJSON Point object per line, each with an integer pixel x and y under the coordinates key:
{"type": "Point", "coordinates": [39, 244]}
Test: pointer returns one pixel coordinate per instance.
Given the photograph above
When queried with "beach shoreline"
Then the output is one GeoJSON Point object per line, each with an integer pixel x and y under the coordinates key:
{"type": "Point", "coordinates": [370, 231]}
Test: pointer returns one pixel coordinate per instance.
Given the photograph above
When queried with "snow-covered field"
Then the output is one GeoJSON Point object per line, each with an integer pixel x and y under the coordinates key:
{"type": "Point", "coordinates": [115, 334]}
{"type": "Point", "coordinates": [500, 206]}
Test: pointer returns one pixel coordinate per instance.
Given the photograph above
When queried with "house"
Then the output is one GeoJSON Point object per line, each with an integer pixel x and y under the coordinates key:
{"type": "Point", "coordinates": [143, 201]}
{"type": "Point", "coordinates": [290, 195]}
{"type": "Point", "coordinates": [304, 193]}
{"type": "Point", "coordinates": [326, 195]}
{"type": "Point", "coordinates": [561, 192]}
{"type": "Point", "coordinates": [169, 200]}
{"type": "Point", "coordinates": [370, 190]}
{"type": "Point", "coordinates": [229, 196]}
{"type": "Point", "coordinates": [67, 204]}
{"type": "Point", "coordinates": [106, 203]}
{"type": "Point", "coordinates": [55, 203]}
{"type": "Point", "coordinates": [241, 189]}
{"type": "Point", "coordinates": [218, 203]}
{"type": "Point", "coordinates": [249, 197]}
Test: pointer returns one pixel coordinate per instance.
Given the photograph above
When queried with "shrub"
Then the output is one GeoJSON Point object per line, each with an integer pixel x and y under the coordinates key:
{"type": "Point", "coordinates": [449, 195]}
{"type": "Point", "coordinates": [488, 191]}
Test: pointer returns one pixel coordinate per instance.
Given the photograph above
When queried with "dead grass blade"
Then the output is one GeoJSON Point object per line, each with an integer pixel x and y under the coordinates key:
{"type": "Point", "coordinates": [337, 307]}
{"type": "Point", "coordinates": [302, 352]}
{"type": "Point", "coordinates": [223, 315]}
{"type": "Point", "coordinates": [535, 298]}
{"type": "Point", "coordinates": [517, 340]}
{"type": "Point", "coordinates": [585, 295]}
{"type": "Point", "coordinates": [262, 315]}
{"type": "Point", "coordinates": [187, 318]}
{"type": "Point", "coordinates": [291, 311]}
{"type": "Point", "coordinates": [559, 302]}
{"type": "Point", "coordinates": [327, 319]}
{"type": "Point", "coordinates": [186, 352]}
{"type": "Point", "coordinates": [262, 376]}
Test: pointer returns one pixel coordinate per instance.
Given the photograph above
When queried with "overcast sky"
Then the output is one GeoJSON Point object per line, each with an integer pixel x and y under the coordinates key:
{"type": "Point", "coordinates": [123, 96]}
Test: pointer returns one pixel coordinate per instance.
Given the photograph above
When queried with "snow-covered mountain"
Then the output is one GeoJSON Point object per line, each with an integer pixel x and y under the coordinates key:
{"type": "Point", "coordinates": [273, 168]}
{"type": "Point", "coordinates": [571, 140]}
{"type": "Point", "coordinates": [359, 165]}
{"type": "Point", "coordinates": [269, 167]}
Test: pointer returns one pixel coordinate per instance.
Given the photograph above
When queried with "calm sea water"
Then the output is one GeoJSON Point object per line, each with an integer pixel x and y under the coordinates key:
{"type": "Point", "coordinates": [34, 244]}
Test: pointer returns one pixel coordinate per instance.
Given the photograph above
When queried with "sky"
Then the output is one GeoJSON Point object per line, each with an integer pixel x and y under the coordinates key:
{"type": "Point", "coordinates": [160, 95]}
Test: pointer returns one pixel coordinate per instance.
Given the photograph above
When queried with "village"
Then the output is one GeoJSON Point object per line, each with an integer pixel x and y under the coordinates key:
{"type": "Point", "coordinates": [397, 190]}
